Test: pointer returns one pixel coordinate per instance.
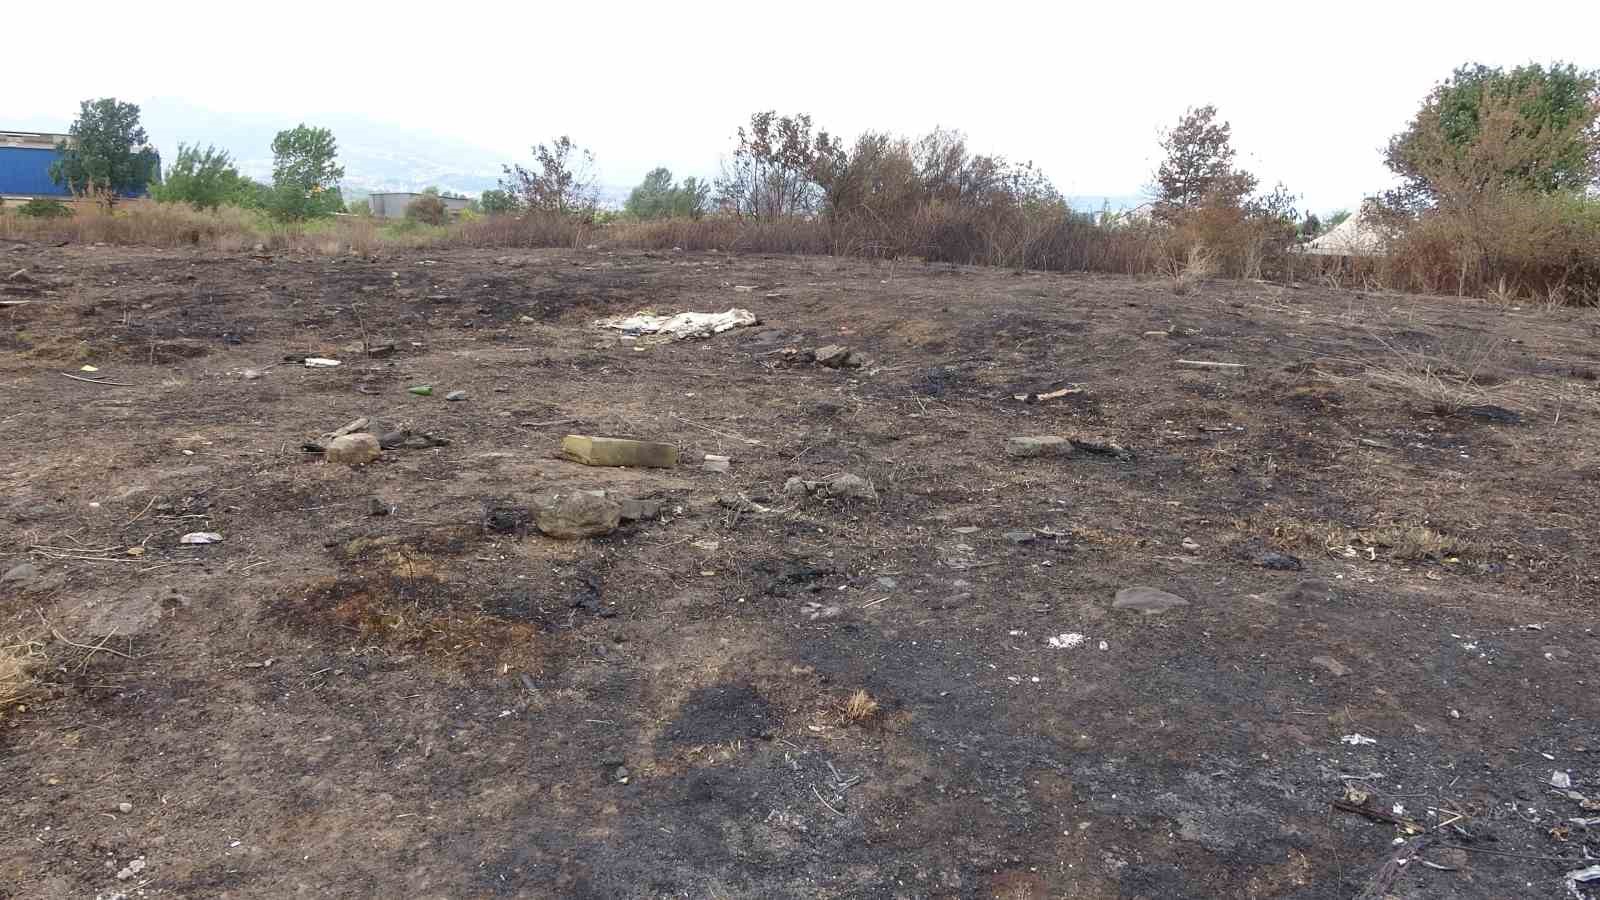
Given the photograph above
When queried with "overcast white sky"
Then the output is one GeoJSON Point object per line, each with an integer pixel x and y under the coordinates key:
{"type": "Point", "coordinates": [1313, 89]}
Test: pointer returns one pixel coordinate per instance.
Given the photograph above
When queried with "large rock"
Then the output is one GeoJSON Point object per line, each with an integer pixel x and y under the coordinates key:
{"type": "Point", "coordinates": [1044, 445]}
{"type": "Point", "coordinates": [604, 451]}
{"type": "Point", "coordinates": [353, 449]}
{"type": "Point", "coordinates": [570, 515]}
{"type": "Point", "coordinates": [835, 356]}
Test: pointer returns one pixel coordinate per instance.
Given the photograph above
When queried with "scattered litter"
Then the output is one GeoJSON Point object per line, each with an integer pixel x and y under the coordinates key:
{"type": "Point", "coordinates": [1104, 646]}
{"type": "Point", "coordinates": [456, 396]}
{"type": "Point", "coordinates": [200, 537]}
{"type": "Point", "coordinates": [1560, 779]}
{"type": "Point", "coordinates": [421, 390]}
{"type": "Point", "coordinates": [131, 869]}
{"type": "Point", "coordinates": [1208, 364]}
{"type": "Point", "coordinates": [1067, 640]}
{"type": "Point", "coordinates": [715, 463]}
{"type": "Point", "coordinates": [1036, 397]}
{"type": "Point", "coordinates": [1357, 740]}
{"type": "Point", "coordinates": [89, 369]}
{"type": "Point", "coordinates": [743, 288]}
{"type": "Point", "coordinates": [681, 326]}
{"type": "Point", "coordinates": [319, 362]}
{"type": "Point", "coordinates": [1583, 875]}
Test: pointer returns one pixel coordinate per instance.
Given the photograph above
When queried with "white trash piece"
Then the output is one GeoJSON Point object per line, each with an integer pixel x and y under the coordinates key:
{"type": "Point", "coordinates": [319, 362]}
{"type": "Point", "coordinates": [1356, 740]}
{"type": "Point", "coordinates": [680, 326]}
{"type": "Point", "coordinates": [1067, 640]}
{"type": "Point", "coordinates": [201, 537]}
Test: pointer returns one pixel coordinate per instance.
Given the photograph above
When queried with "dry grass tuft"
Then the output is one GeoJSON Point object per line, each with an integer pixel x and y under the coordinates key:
{"type": "Point", "coordinates": [21, 654]}
{"type": "Point", "coordinates": [1398, 541]}
{"type": "Point", "coordinates": [860, 708]}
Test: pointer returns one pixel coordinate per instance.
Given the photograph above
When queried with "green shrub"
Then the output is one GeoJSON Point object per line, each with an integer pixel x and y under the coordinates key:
{"type": "Point", "coordinates": [41, 208]}
{"type": "Point", "coordinates": [429, 209]}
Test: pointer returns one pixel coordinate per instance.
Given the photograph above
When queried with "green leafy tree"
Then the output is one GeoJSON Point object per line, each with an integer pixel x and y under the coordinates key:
{"type": "Point", "coordinates": [1198, 168]}
{"type": "Point", "coordinates": [106, 156]}
{"type": "Point", "coordinates": [305, 174]}
{"type": "Point", "coordinates": [657, 197]}
{"type": "Point", "coordinates": [206, 179]}
{"type": "Point", "coordinates": [497, 202]}
{"type": "Point", "coordinates": [1487, 129]}
{"type": "Point", "coordinates": [562, 181]}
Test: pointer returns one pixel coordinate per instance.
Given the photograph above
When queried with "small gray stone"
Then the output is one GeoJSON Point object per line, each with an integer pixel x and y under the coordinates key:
{"type": "Point", "coordinates": [1044, 445]}
{"type": "Point", "coordinates": [639, 510]}
{"type": "Point", "coordinates": [851, 487]}
{"type": "Point", "coordinates": [621, 773]}
{"type": "Point", "coordinates": [456, 395]}
{"type": "Point", "coordinates": [887, 583]}
{"type": "Point", "coordinates": [1337, 668]}
{"type": "Point", "coordinates": [715, 463]}
{"type": "Point", "coordinates": [20, 573]}
{"type": "Point", "coordinates": [796, 486]}
{"type": "Point", "coordinates": [1020, 537]}
{"type": "Point", "coordinates": [377, 506]}
{"type": "Point", "coordinates": [1146, 600]}
{"type": "Point", "coordinates": [833, 356]}
{"type": "Point", "coordinates": [576, 514]}
{"type": "Point", "coordinates": [125, 807]}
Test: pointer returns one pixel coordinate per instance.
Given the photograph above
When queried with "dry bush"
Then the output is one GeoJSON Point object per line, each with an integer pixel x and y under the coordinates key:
{"type": "Point", "coordinates": [1401, 541]}
{"type": "Point", "coordinates": [1448, 381]}
{"type": "Point", "coordinates": [1195, 265]}
{"type": "Point", "coordinates": [529, 230]}
{"type": "Point", "coordinates": [137, 222]}
{"type": "Point", "coordinates": [860, 708]}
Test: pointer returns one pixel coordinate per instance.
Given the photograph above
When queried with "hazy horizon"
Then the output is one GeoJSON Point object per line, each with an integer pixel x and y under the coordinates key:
{"type": "Point", "coordinates": [1082, 93]}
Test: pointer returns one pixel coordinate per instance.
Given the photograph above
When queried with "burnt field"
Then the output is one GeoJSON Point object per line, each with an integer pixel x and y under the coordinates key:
{"type": "Point", "coordinates": [385, 681]}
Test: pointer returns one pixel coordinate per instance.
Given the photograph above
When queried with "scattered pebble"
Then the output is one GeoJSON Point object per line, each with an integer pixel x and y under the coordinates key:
{"type": "Point", "coordinates": [125, 807]}
{"type": "Point", "coordinates": [456, 395]}
{"type": "Point", "coordinates": [1560, 779]}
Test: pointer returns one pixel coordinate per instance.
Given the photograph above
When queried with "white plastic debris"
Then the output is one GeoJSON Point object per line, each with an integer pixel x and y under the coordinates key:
{"type": "Point", "coordinates": [1584, 875]}
{"type": "Point", "coordinates": [1357, 740]}
{"type": "Point", "coordinates": [320, 362]}
{"type": "Point", "coordinates": [1560, 779]}
{"type": "Point", "coordinates": [680, 326]}
{"type": "Point", "coordinates": [1104, 646]}
{"type": "Point", "coordinates": [1067, 640]}
{"type": "Point", "coordinates": [200, 537]}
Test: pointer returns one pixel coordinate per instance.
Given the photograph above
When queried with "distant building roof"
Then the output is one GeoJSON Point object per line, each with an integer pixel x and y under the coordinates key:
{"type": "Point", "coordinates": [33, 140]}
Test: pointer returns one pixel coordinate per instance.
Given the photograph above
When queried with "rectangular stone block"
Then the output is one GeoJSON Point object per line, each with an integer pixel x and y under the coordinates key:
{"type": "Point", "coordinates": [604, 451]}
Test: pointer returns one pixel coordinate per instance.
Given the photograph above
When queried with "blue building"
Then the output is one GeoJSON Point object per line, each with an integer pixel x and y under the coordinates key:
{"type": "Point", "coordinates": [25, 159]}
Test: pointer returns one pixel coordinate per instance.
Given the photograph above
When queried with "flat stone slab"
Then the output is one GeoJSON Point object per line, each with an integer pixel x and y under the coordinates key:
{"type": "Point", "coordinates": [605, 451]}
{"type": "Point", "coordinates": [1146, 600]}
{"type": "Point", "coordinates": [1043, 445]}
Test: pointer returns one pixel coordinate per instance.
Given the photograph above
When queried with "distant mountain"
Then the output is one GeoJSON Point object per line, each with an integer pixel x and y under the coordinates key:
{"type": "Point", "coordinates": [376, 156]}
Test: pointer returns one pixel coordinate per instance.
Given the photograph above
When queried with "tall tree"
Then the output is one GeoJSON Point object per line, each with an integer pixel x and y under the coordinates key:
{"type": "Point", "coordinates": [1529, 128]}
{"type": "Point", "coordinates": [305, 174]}
{"type": "Point", "coordinates": [773, 171]}
{"type": "Point", "coordinates": [1198, 169]}
{"type": "Point", "coordinates": [562, 182]}
{"type": "Point", "coordinates": [658, 197]}
{"type": "Point", "coordinates": [205, 179]}
{"type": "Point", "coordinates": [107, 156]}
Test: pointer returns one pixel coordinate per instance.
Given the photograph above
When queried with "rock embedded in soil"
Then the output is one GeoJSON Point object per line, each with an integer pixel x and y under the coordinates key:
{"type": "Point", "coordinates": [1147, 600]}
{"type": "Point", "coordinates": [1281, 562]}
{"type": "Point", "coordinates": [604, 451]}
{"type": "Point", "coordinates": [20, 574]}
{"type": "Point", "coordinates": [715, 463]}
{"type": "Point", "coordinates": [1021, 537]}
{"type": "Point", "coordinates": [833, 356]}
{"type": "Point", "coordinates": [639, 510]}
{"type": "Point", "coordinates": [1021, 447]}
{"type": "Point", "coordinates": [456, 396]}
{"type": "Point", "coordinates": [1334, 667]}
{"type": "Point", "coordinates": [353, 449]}
{"type": "Point", "coordinates": [576, 514]}
{"type": "Point", "coordinates": [851, 487]}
